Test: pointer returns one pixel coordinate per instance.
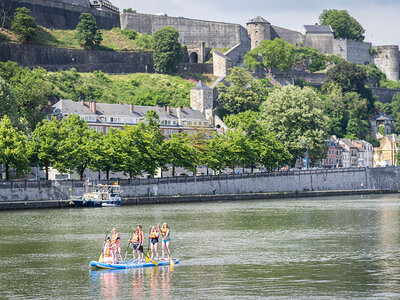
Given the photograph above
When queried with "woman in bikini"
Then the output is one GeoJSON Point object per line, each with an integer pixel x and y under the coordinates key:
{"type": "Point", "coordinates": [166, 241]}
{"type": "Point", "coordinates": [154, 242]}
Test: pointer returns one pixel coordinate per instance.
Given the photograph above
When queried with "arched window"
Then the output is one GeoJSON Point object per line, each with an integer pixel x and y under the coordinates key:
{"type": "Point", "coordinates": [193, 58]}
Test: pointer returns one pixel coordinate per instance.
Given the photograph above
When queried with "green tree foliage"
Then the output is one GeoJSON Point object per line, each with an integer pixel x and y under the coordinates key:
{"type": "Point", "coordinates": [129, 10]}
{"type": "Point", "coordinates": [374, 75]}
{"type": "Point", "coordinates": [167, 50]}
{"type": "Point", "coordinates": [392, 109]}
{"type": "Point", "coordinates": [87, 31]}
{"type": "Point", "coordinates": [241, 92]}
{"type": "Point", "coordinates": [254, 144]}
{"type": "Point", "coordinates": [142, 147]}
{"type": "Point", "coordinates": [47, 135]}
{"type": "Point", "coordinates": [77, 143]}
{"type": "Point", "coordinates": [358, 124]}
{"type": "Point", "coordinates": [180, 152]}
{"type": "Point", "coordinates": [351, 78]}
{"type": "Point", "coordinates": [271, 54]}
{"type": "Point", "coordinates": [32, 90]}
{"type": "Point", "coordinates": [12, 148]}
{"type": "Point", "coordinates": [24, 25]}
{"type": "Point", "coordinates": [8, 104]}
{"type": "Point", "coordinates": [343, 25]}
{"type": "Point", "coordinates": [296, 116]}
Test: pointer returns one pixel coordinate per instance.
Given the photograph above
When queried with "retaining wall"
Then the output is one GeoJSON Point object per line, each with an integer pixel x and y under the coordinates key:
{"type": "Point", "coordinates": [61, 15]}
{"type": "Point", "coordinates": [319, 180]}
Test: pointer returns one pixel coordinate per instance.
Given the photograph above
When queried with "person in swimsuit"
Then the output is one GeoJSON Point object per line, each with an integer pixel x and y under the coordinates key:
{"type": "Point", "coordinates": [135, 243]}
{"type": "Point", "coordinates": [109, 254]}
{"type": "Point", "coordinates": [154, 234]}
{"type": "Point", "coordinates": [141, 241]}
{"type": "Point", "coordinates": [166, 241]}
{"type": "Point", "coordinates": [116, 239]}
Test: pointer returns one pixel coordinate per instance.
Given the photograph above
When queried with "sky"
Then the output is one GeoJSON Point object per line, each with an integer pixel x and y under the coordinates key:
{"type": "Point", "coordinates": [380, 18]}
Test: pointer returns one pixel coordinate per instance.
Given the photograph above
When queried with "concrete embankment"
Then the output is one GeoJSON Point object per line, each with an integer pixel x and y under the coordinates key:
{"type": "Point", "coordinates": [47, 204]}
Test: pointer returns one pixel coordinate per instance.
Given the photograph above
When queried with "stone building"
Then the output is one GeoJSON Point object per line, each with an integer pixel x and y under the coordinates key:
{"type": "Point", "coordinates": [385, 155]}
{"type": "Point", "coordinates": [381, 119]}
{"type": "Point", "coordinates": [103, 116]}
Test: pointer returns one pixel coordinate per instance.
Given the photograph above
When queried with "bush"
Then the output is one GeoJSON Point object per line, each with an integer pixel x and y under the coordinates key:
{"type": "Point", "coordinates": [24, 25]}
{"type": "Point", "coordinates": [87, 31]}
{"type": "Point", "coordinates": [167, 50]}
{"type": "Point", "coordinates": [131, 34]}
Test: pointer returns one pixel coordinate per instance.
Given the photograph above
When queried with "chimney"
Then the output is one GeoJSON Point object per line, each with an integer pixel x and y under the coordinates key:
{"type": "Point", "coordinates": [131, 107]}
{"type": "Point", "coordinates": [168, 110]}
{"type": "Point", "coordinates": [82, 102]}
{"type": "Point", "coordinates": [181, 108]}
{"type": "Point", "coordinates": [92, 106]}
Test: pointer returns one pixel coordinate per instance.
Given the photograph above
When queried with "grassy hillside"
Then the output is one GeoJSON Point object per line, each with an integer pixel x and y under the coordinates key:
{"type": "Point", "coordinates": [115, 39]}
{"type": "Point", "coordinates": [138, 88]}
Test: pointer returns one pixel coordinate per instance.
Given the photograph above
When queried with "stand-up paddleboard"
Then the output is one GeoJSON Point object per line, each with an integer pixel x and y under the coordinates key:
{"type": "Point", "coordinates": [129, 264]}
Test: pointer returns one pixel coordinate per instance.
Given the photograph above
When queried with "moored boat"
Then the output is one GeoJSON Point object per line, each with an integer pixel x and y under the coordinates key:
{"type": "Point", "coordinates": [102, 195]}
{"type": "Point", "coordinates": [129, 264]}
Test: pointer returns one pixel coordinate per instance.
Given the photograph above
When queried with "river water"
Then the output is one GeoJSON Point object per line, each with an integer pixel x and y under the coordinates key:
{"type": "Point", "coordinates": [342, 247]}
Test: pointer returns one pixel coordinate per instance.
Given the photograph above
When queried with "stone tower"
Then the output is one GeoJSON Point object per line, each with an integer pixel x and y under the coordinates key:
{"type": "Point", "coordinates": [259, 30]}
{"type": "Point", "coordinates": [387, 59]}
{"type": "Point", "coordinates": [201, 98]}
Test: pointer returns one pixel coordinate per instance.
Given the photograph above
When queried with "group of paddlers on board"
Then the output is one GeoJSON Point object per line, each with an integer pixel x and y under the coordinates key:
{"type": "Point", "coordinates": [111, 253]}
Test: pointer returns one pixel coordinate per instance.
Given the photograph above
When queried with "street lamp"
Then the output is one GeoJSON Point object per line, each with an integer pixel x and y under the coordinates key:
{"type": "Point", "coordinates": [37, 157]}
{"type": "Point", "coordinates": [302, 141]}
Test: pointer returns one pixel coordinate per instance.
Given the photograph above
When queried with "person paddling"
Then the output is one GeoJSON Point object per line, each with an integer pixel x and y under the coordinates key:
{"type": "Point", "coordinates": [154, 234]}
{"type": "Point", "coordinates": [166, 241]}
{"type": "Point", "coordinates": [116, 239]}
{"type": "Point", "coordinates": [109, 256]}
{"type": "Point", "coordinates": [135, 243]}
{"type": "Point", "coordinates": [141, 241]}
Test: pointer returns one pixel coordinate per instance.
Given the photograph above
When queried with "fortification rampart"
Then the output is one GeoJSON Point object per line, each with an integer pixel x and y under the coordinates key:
{"type": "Point", "coordinates": [56, 59]}
{"type": "Point", "coordinates": [353, 51]}
{"type": "Point", "coordinates": [319, 180]}
{"type": "Point", "coordinates": [61, 15]}
{"type": "Point", "coordinates": [214, 34]}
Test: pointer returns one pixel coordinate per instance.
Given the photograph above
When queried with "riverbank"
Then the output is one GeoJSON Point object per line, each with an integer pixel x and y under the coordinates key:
{"type": "Point", "coordinates": [53, 204]}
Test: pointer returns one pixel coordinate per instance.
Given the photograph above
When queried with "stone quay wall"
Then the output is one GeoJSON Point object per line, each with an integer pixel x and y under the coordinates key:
{"type": "Point", "coordinates": [292, 181]}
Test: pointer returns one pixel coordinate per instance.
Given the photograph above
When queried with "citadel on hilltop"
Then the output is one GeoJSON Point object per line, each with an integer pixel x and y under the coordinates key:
{"type": "Point", "coordinates": [199, 35]}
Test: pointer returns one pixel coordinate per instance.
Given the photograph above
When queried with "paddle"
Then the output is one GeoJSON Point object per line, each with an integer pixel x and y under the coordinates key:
{"type": "Point", "coordinates": [129, 244]}
{"type": "Point", "coordinates": [147, 259]}
{"type": "Point", "coordinates": [153, 261]}
{"type": "Point", "coordinates": [102, 249]}
{"type": "Point", "coordinates": [171, 263]}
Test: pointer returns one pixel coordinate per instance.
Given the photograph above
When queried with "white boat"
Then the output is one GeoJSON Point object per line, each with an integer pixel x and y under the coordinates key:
{"type": "Point", "coordinates": [102, 195]}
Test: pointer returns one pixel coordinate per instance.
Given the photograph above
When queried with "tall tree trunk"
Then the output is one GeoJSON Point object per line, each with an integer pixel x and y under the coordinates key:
{"type": "Point", "coordinates": [173, 171]}
{"type": "Point", "coordinates": [108, 175]}
{"type": "Point", "coordinates": [7, 171]}
{"type": "Point", "coordinates": [47, 172]}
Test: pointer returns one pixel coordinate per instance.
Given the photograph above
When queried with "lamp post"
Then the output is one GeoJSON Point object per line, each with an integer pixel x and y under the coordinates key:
{"type": "Point", "coordinates": [37, 157]}
{"type": "Point", "coordinates": [306, 140]}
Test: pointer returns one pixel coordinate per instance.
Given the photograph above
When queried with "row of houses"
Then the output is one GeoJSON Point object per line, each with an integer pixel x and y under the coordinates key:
{"type": "Point", "coordinates": [346, 153]}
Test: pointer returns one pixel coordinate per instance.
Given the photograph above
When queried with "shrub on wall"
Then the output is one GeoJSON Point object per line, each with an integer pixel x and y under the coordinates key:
{"type": "Point", "coordinates": [87, 31]}
{"type": "Point", "coordinates": [24, 25]}
{"type": "Point", "coordinates": [167, 50]}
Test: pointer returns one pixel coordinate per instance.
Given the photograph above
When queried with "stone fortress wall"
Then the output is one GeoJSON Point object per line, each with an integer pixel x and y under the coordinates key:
{"type": "Point", "coordinates": [214, 34]}
{"type": "Point", "coordinates": [64, 14]}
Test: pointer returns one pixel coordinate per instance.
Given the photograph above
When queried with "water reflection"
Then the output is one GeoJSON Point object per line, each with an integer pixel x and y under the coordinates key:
{"type": "Point", "coordinates": [154, 283]}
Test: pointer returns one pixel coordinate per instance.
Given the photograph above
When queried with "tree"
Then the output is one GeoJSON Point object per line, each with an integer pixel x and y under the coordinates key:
{"type": "Point", "coordinates": [32, 90]}
{"type": "Point", "coordinates": [47, 136]}
{"type": "Point", "coordinates": [296, 116]}
{"type": "Point", "coordinates": [180, 152]}
{"type": "Point", "coordinates": [108, 155]}
{"type": "Point", "coordinates": [87, 31]}
{"type": "Point", "coordinates": [343, 25]}
{"type": "Point", "coordinates": [77, 145]}
{"type": "Point", "coordinates": [271, 54]}
{"type": "Point", "coordinates": [351, 78]}
{"type": "Point", "coordinates": [12, 148]}
{"type": "Point", "coordinates": [23, 24]}
{"type": "Point", "coordinates": [5, 9]}
{"type": "Point", "coordinates": [167, 50]}
{"type": "Point", "coordinates": [241, 92]}
{"type": "Point", "coordinates": [129, 10]}
{"type": "Point", "coordinates": [358, 124]}
{"type": "Point", "coordinates": [218, 152]}
{"type": "Point", "coordinates": [8, 104]}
